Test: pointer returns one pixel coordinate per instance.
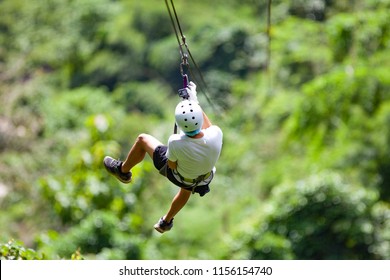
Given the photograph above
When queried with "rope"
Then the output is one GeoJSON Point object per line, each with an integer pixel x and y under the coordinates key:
{"type": "Point", "coordinates": [268, 59]}
{"type": "Point", "coordinates": [183, 57]}
{"type": "Point", "coordinates": [185, 54]}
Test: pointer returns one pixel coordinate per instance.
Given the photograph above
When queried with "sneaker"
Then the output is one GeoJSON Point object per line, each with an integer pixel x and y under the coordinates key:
{"type": "Point", "coordinates": [163, 226]}
{"type": "Point", "coordinates": [113, 167]}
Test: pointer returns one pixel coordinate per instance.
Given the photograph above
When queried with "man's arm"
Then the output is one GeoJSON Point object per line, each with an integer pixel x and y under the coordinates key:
{"type": "Point", "coordinates": [193, 96]}
{"type": "Point", "coordinates": [206, 121]}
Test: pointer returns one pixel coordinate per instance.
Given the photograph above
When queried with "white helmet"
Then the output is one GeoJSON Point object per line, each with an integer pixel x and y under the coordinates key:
{"type": "Point", "coordinates": [189, 117]}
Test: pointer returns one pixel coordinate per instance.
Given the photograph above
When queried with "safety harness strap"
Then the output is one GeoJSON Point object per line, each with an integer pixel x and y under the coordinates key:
{"type": "Point", "coordinates": [193, 183]}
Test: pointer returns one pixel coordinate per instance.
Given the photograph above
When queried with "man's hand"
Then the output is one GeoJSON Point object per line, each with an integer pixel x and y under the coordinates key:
{"type": "Point", "coordinates": [192, 92]}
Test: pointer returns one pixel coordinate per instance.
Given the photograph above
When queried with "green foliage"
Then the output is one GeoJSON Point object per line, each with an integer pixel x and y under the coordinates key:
{"type": "Point", "coordinates": [99, 232]}
{"type": "Point", "coordinates": [59, 110]}
{"type": "Point", "coordinates": [15, 250]}
{"type": "Point", "coordinates": [361, 34]}
{"type": "Point", "coordinates": [301, 57]}
{"type": "Point", "coordinates": [321, 217]}
{"type": "Point", "coordinates": [329, 100]}
{"type": "Point", "coordinates": [144, 98]}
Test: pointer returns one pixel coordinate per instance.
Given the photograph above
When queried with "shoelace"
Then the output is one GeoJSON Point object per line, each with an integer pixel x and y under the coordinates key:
{"type": "Point", "coordinates": [116, 163]}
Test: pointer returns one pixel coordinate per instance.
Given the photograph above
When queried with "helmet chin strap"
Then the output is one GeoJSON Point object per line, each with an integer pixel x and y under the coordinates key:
{"type": "Point", "coordinates": [192, 133]}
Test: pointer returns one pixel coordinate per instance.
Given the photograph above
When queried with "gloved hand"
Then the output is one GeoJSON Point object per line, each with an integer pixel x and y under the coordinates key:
{"type": "Point", "coordinates": [192, 92]}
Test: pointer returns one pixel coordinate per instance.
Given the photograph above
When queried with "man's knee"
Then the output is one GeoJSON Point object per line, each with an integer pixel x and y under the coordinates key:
{"type": "Point", "coordinates": [143, 138]}
{"type": "Point", "coordinates": [148, 143]}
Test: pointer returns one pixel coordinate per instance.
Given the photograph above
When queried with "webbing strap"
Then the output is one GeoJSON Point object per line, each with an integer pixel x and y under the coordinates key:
{"type": "Point", "coordinates": [194, 182]}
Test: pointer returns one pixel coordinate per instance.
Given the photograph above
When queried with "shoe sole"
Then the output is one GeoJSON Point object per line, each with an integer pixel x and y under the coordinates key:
{"type": "Point", "coordinates": [160, 230]}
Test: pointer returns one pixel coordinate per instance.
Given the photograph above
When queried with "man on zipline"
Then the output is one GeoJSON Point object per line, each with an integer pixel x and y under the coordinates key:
{"type": "Point", "coordinates": [188, 161]}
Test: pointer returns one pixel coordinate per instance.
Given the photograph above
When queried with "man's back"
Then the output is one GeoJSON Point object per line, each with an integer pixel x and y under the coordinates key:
{"type": "Point", "coordinates": [195, 156]}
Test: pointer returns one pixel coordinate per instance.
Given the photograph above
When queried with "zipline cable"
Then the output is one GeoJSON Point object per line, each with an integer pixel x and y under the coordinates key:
{"type": "Point", "coordinates": [268, 57]}
{"type": "Point", "coordinates": [184, 55]}
{"type": "Point", "coordinates": [175, 29]}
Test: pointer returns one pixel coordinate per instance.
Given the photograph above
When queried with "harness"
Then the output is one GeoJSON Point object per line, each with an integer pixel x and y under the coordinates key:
{"type": "Point", "coordinates": [189, 183]}
{"type": "Point", "coordinates": [193, 183]}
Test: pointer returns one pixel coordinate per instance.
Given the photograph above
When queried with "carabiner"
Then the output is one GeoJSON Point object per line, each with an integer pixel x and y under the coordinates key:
{"type": "Point", "coordinates": [184, 62]}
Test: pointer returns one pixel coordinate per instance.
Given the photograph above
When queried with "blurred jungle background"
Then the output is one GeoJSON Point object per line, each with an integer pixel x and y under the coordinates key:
{"type": "Point", "coordinates": [305, 168]}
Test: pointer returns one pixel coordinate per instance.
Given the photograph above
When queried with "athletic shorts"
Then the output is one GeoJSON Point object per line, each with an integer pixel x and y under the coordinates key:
{"type": "Point", "coordinates": [160, 162]}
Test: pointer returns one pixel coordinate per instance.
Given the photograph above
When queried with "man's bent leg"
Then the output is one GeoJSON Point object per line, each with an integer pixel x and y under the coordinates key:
{"type": "Point", "coordinates": [145, 143]}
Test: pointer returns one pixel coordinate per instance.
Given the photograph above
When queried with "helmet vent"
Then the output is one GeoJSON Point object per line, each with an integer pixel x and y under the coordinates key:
{"type": "Point", "coordinates": [188, 116]}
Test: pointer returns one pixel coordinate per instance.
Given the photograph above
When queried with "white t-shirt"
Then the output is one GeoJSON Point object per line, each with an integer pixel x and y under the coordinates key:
{"type": "Point", "coordinates": [195, 156]}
